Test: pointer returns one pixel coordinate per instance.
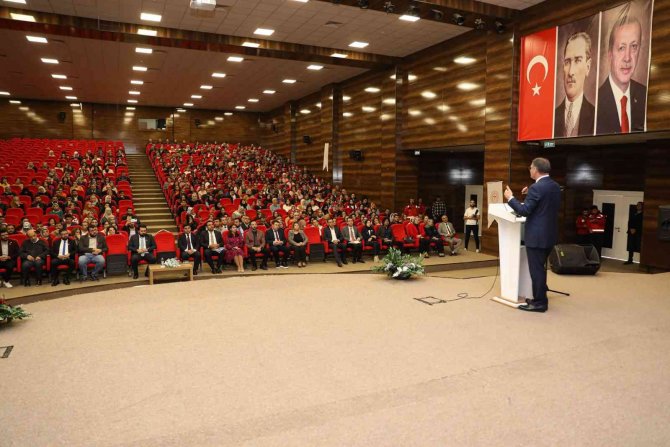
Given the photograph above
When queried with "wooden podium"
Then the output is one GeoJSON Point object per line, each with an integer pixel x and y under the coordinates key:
{"type": "Point", "coordinates": [515, 283]}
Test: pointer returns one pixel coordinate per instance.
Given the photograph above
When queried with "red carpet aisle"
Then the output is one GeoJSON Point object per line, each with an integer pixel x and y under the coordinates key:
{"type": "Point", "coordinates": [333, 360]}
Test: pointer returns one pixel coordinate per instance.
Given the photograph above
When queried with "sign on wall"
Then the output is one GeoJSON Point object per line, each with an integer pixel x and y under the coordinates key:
{"type": "Point", "coordinates": [588, 77]}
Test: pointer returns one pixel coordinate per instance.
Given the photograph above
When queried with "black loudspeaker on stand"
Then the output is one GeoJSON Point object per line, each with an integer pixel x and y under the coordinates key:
{"type": "Point", "coordinates": [573, 259]}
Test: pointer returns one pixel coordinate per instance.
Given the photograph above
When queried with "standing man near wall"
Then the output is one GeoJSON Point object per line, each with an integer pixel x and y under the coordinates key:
{"type": "Point", "coordinates": [541, 207]}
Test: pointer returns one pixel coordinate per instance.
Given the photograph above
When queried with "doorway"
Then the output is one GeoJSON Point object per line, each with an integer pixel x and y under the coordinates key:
{"type": "Point", "coordinates": [617, 206]}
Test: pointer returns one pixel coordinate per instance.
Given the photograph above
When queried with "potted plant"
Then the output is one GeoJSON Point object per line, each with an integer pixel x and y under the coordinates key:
{"type": "Point", "coordinates": [399, 266]}
{"type": "Point", "coordinates": [9, 313]}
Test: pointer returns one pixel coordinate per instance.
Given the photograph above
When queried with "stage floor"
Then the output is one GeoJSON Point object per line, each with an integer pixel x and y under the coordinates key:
{"type": "Point", "coordinates": [341, 360]}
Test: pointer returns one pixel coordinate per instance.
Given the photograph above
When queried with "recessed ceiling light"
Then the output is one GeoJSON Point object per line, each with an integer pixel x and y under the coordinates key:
{"type": "Point", "coordinates": [147, 32]}
{"type": "Point", "coordinates": [133, 92]}
{"type": "Point", "coordinates": [409, 18]}
{"type": "Point", "coordinates": [372, 90]}
{"type": "Point", "coordinates": [218, 75]}
{"type": "Point", "coordinates": [347, 114]}
{"type": "Point", "coordinates": [315, 67]}
{"type": "Point", "coordinates": [206, 87]}
{"type": "Point", "coordinates": [150, 17]}
{"type": "Point", "coordinates": [37, 39]}
{"type": "Point", "coordinates": [14, 101]}
{"type": "Point", "coordinates": [75, 104]}
{"type": "Point", "coordinates": [58, 76]}
{"type": "Point", "coordinates": [130, 108]}
{"type": "Point", "coordinates": [357, 44]}
{"type": "Point", "coordinates": [412, 77]}
{"type": "Point", "coordinates": [181, 110]}
{"type": "Point", "coordinates": [47, 60]}
{"type": "Point", "coordinates": [477, 102]}
{"type": "Point", "coordinates": [196, 96]}
{"type": "Point", "coordinates": [289, 81]}
{"type": "Point", "coordinates": [339, 55]}
{"type": "Point", "coordinates": [65, 87]}
{"type": "Point", "coordinates": [305, 111]}
{"type": "Point", "coordinates": [346, 98]}
{"type": "Point", "coordinates": [318, 104]}
{"type": "Point", "coordinates": [136, 82]}
{"type": "Point", "coordinates": [228, 113]}
{"type": "Point", "coordinates": [139, 68]}
{"type": "Point", "coordinates": [24, 109]}
{"type": "Point", "coordinates": [251, 44]}
{"type": "Point", "coordinates": [269, 92]}
{"type": "Point", "coordinates": [240, 107]}
{"type": "Point", "coordinates": [3, 93]}
{"type": "Point", "coordinates": [264, 31]}
{"type": "Point", "coordinates": [130, 113]}
{"type": "Point", "coordinates": [467, 86]}
{"type": "Point", "coordinates": [144, 50]}
{"type": "Point", "coordinates": [132, 101]}
{"type": "Point", "coordinates": [218, 118]}
{"type": "Point", "coordinates": [414, 112]}
{"type": "Point", "coordinates": [71, 98]}
{"type": "Point", "coordinates": [428, 94]}
{"type": "Point", "coordinates": [389, 101]}
{"type": "Point", "coordinates": [188, 104]}
{"type": "Point", "coordinates": [368, 109]}
{"type": "Point", "coordinates": [235, 59]}
{"type": "Point", "coordinates": [465, 60]}
{"type": "Point", "coordinates": [252, 99]}
{"type": "Point", "coordinates": [22, 17]}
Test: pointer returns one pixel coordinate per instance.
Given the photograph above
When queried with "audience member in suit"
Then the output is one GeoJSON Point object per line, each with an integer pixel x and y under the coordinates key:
{"type": "Point", "coordinates": [448, 232]}
{"type": "Point", "coordinates": [277, 241]}
{"type": "Point", "coordinates": [34, 253]}
{"type": "Point", "coordinates": [354, 240]}
{"type": "Point", "coordinates": [62, 253]}
{"type": "Point", "coordinates": [189, 246]}
{"type": "Point", "coordinates": [541, 206]}
{"type": "Point", "coordinates": [9, 253]}
{"type": "Point", "coordinates": [336, 242]}
{"type": "Point", "coordinates": [297, 239]}
{"type": "Point", "coordinates": [432, 237]}
{"type": "Point", "coordinates": [255, 242]}
{"type": "Point", "coordinates": [575, 115]}
{"type": "Point", "coordinates": [370, 239]}
{"type": "Point", "coordinates": [212, 243]}
{"type": "Point", "coordinates": [622, 102]}
{"type": "Point", "coordinates": [141, 247]}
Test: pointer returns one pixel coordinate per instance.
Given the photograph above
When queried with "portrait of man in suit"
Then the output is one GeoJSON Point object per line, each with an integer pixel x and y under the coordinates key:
{"type": "Point", "coordinates": [576, 114]}
{"type": "Point", "coordinates": [622, 101]}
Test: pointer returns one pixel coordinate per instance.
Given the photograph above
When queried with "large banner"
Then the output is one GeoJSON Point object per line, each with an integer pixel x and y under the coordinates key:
{"type": "Point", "coordinates": [588, 77]}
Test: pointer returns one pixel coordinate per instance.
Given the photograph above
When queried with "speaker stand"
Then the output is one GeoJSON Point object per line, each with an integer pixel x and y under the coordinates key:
{"type": "Point", "coordinates": [546, 269]}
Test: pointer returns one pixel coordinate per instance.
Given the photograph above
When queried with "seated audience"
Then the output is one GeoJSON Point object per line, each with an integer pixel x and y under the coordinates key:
{"type": "Point", "coordinates": [354, 240]}
{"type": "Point", "coordinates": [448, 233]}
{"type": "Point", "coordinates": [34, 252]}
{"type": "Point", "coordinates": [276, 239]}
{"type": "Point", "coordinates": [235, 248]}
{"type": "Point", "coordinates": [63, 250]}
{"type": "Point", "coordinates": [255, 242]}
{"type": "Point", "coordinates": [433, 237]}
{"type": "Point", "coordinates": [92, 247]}
{"type": "Point", "coordinates": [189, 246]}
{"type": "Point", "coordinates": [297, 239]}
{"type": "Point", "coordinates": [9, 253]}
{"type": "Point", "coordinates": [336, 242]}
{"type": "Point", "coordinates": [212, 243]}
{"type": "Point", "coordinates": [141, 247]}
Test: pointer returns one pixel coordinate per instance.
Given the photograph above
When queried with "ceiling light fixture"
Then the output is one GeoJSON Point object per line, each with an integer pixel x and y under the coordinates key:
{"type": "Point", "coordinates": [206, 87]}
{"type": "Point", "coordinates": [58, 76]}
{"type": "Point", "coordinates": [372, 89]}
{"type": "Point", "coordinates": [133, 92]}
{"type": "Point", "coordinates": [3, 93]}
{"type": "Point", "coordinates": [368, 109]}
{"type": "Point", "coordinates": [458, 19]}
{"type": "Point", "coordinates": [315, 67]}
{"type": "Point", "coordinates": [363, 4]}
{"type": "Point", "coordinates": [37, 39]}
{"type": "Point", "coordinates": [412, 14]}
{"type": "Point", "coordinates": [132, 101]}
{"type": "Point", "coordinates": [136, 82]}
{"type": "Point", "coordinates": [144, 50]}
{"type": "Point", "coordinates": [147, 32]}
{"type": "Point", "coordinates": [235, 59]}
{"type": "Point", "coordinates": [188, 104]}
{"type": "Point", "coordinates": [139, 68]}
{"type": "Point", "coordinates": [438, 15]}
{"type": "Point", "coordinates": [480, 23]}
{"type": "Point", "coordinates": [46, 60]}
{"type": "Point", "coordinates": [289, 81]}
{"type": "Point", "coordinates": [339, 55]}
{"type": "Point", "coordinates": [428, 94]}
{"type": "Point", "coordinates": [150, 17]}
{"type": "Point", "coordinates": [500, 27]}
{"type": "Point", "coordinates": [218, 75]}
{"type": "Point", "coordinates": [269, 92]}
{"type": "Point", "coordinates": [23, 2]}
{"type": "Point", "coordinates": [181, 110]}
{"type": "Point", "coordinates": [253, 100]}
{"type": "Point", "coordinates": [218, 118]}
{"type": "Point", "coordinates": [130, 108]}
{"type": "Point", "coordinates": [264, 31]}
{"type": "Point", "coordinates": [347, 114]}
{"type": "Point", "coordinates": [240, 107]}
{"type": "Point", "coordinates": [305, 111]}
{"type": "Point", "coordinates": [65, 87]}
{"type": "Point", "coordinates": [14, 101]}
{"type": "Point", "coordinates": [358, 44]}
{"type": "Point", "coordinates": [71, 98]}
{"type": "Point", "coordinates": [465, 60]}
{"type": "Point", "coordinates": [251, 44]}
{"type": "Point", "coordinates": [22, 17]}
{"type": "Point", "coordinates": [228, 113]}
{"type": "Point", "coordinates": [466, 86]}
{"type": "Point", "coordinates": [196, 96]}
{"type": "Point", "coordinates": [75, 104]}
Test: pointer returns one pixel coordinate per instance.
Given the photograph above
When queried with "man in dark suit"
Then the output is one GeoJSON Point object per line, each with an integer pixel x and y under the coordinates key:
{"type": "Point", "coordinates": [634, 241]}
{"type": "Point", "coordinates": [212, 243]}
{"type": "Point", "coordinates": [622, 102]}
{"type": "Point", "coordinates": [354, 240]}
{"type": "Point", "coordinates": [92, 248]}
{"type": "Point", "coordinates": [575, 115]}
{"type": "Point", "coordinates": [62, 253]}
{"type": "Point", "coordinates": [276, 239]}
{"type": "Point", "coordinates": [34, 252]}
{"type": "Point", "coordinates": [332, 235]}
{"type": "Point", "coordinates": [541, 231]}
{"type": "Point", "coordinates": [9, 253]}
{"type": "Point", "coordinates": [255, 242]}
{"type": "Point", "coordinates": [189, 246]}
{"type": "Point", "coordinates": [141, 247]}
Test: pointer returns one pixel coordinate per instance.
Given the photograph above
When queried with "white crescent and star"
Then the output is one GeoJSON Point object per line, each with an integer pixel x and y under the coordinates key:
{"type": "Point", "coordinates": [539, 59]}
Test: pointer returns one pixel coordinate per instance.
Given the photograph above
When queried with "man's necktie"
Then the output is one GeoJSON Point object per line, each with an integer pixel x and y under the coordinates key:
{"type": "Point", "coordinates": [212, 238]}
{"type": "Point", "coordinates": [188, 241]}
{"type": "Point", "coordinates": [569, 122]}
{"type": "Point", "coordinates": [142, 243]}
{"type": "Point", "coordinates": [276, 236]}
{"type": "Point", "coordinates": [62, 245]}
{"type": "Point", "coordinates": [625, 125]}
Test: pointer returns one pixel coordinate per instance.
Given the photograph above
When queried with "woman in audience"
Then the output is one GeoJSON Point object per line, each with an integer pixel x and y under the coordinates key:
{"type": "Point", "coordinates": [235, 248]}
{"type": "Point", "coordinates": [16, 203]}
{"type": "Point", "coordinates": [107, 215]}
{"type": "Point", "coordinates": [297, 239]}
{"type": "Point", "coordinates": [384, 234]}
{"type": "Point", "coordinates": [76, 235]}
{"type": "Point", "coordinates": [370, 239]}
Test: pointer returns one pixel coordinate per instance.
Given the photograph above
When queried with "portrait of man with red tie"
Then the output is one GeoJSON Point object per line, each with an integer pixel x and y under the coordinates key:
{"type": "Point", "coordinates": [622, 100]}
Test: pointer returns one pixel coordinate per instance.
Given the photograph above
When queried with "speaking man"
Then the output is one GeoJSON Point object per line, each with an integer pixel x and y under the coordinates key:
{"type": "Point", "coordinates": [575, 115]}
{"type": "Point", "coordinates": [622, 102]}
{"type": "Point", "coordinates": [541, 210]}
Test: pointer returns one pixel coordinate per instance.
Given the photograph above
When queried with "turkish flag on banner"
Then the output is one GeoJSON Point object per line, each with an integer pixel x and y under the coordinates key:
{"type": "Point", "coordinates": [536, 85]}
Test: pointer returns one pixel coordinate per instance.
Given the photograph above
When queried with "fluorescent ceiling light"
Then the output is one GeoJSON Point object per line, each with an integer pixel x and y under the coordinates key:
{"type": "Point", "coordinates": [130, 108]}
{"type": "Point", "coordinates": [478, 102]}
{"type": "Point", "coordinates": [466, 86]}
{"type": "Point", "coordinates": [240, 107]}
{"type": "Point", "coordinates": [65, 87]}
{"type": "Point", "coordinates": [47, 60]}
{"type": "Point", "coordinates": [357, 44]}
{"type": "Point", "coordinates": [264, 31]}
{"type": "Point", "coordinates": [346, 98]}
{"type": "Point", "coordinates": [218, 75]}
{"type": "Point", "coordinates": [181, 110]}
{"type": "Point", "coordinates": [188, 104]}
{"type": "Point", "coordinates": [22, 17]}
{"type": "Point", "coordinates": [71, 98]}
{"type": "Point", "coordinates": [235, 59]}
{"type": "Point", "coordinates": [318, 104]}
{"type": "Point", "coordinates": [196, 96]}
{"type": "Point", "coordinates": [372, 90]}
{"type": "Point", "coordinates": [37, 39]}
{"type": "Point", "coordinates": [315, 67]}
{"type": "Point", "coordinates": [218, 118]}
{"type": "Point", "coordinates": [409, 18]}
{"type": "Point", "coordinates": [339, 55]}
{"type": "Point", "coordinates": [24, 109]}
{"type": "Point", "coordinates": [412, 77]}
{"type": "Point", "coordinates": [252, 99]}
{"type": "Point", "coordinates": [414, 112]}
{"type": "Point", "coordinates": [14, 101]}
{"type": "Point", "coordinates": [132, 101]}
{"type": "Point", "coordinates": [251, 44]}
{"type": "Point", "coordinates": [428, 94]}
{"type": "Point", "coordinates": [58, 76]}
{"type": "Point", "coordinates": [150, 17]}
{"type": "Point", "coordinates": [389, 101]}
{"type": "Point", "coordinates": [347, 114]}
{"type": "Point", "coordinates": [147, 32]}
{"type": "Point", "coordinates": [269, 92]}
{"type": "Point", "coordinates": [139, 68]}
{"type": "Point", "coordinates": [144, 50]}
{"type": "Point", "coordinates": [133, 92]}
{"type": "Point", "coordinates": [206, 87]}
{"type": "Point", "coordinates": [289, 81]}
{"type": "Point", "coordinates": [305, 111]}
{"type": "Point", "coordinates": [75, 104]}
{"type": "Point", "coordinates": [368, 109]}
{"type": "Point", "coordinates": [136, 82]}
{"type": "Point", "coordinates": [465, 60]}
{"type": "Point", "coordinates": [228, 113]}
{"type": "Point", "coordinates": [4, 93]}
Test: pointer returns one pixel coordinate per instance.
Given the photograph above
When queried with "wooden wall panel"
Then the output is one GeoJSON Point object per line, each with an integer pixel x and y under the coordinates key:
{"type": "Point", "coordinates": [308, 124]}
{"type": "Point", "coordinates": [656, 253]}
{"type": "Point", "coordinates": [276, 132]}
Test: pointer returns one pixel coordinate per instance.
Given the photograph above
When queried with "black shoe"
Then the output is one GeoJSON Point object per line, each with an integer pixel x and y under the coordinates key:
{"type": "Point", "coordinates": [95, 277]}
{"type": "Point", "coordinates": [135, 275]}
{"type": "Point", "coordinates": [627, 262]}
{"type": "Point", "coordinates": [66, 281]}
{"type": "Point", "coordinates": [339, 264]}
{"type": "Point", "coordinates": [54, 283]}
{"type": "Point", "coordinates": [26, 282]}
{"type": "Point", "coordinates": [254, 268]}
{"type": "Point", "coordinates": [146, 273]}
{"type": "Point", "coordinates": [344, 261]}
{"type": "Point", "coordinates": [531, 307]}
{"type": "Point", "coordinates": [195, 273]}
{"type": "Point", "coordinates": [39, 282]}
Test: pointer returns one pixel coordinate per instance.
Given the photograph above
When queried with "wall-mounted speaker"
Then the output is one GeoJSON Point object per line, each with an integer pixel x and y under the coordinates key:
{"type": "Point", "coordinates": [356, 155]}
{"type": "Point", "coordinates": [307, 139]}
{"type": "Point", "coordinates": [197, 123]}
{"type": "Point", "coordinates": [61, 117]}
